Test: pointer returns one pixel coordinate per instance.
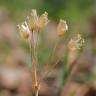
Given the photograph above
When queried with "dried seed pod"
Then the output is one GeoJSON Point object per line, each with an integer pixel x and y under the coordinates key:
{"type": "Point", "coordinates": [62, 28]}
{"type": "Point", "coordinates": [76, 43]}
{"type": "Point", "coordinates": [32, 20]}
{"type": "Point", "coordinates": [24, 30]}
{"type": "Point", "coordinates": [43, 20]}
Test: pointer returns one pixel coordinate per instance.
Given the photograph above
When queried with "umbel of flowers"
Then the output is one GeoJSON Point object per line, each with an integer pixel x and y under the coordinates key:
{"type": "Point", "coordinates": [34, 23]}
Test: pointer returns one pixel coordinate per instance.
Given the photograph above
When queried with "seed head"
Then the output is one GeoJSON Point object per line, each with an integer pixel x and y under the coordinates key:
{"type": "Point", "coordinates": [62, 28]}
{"type": "Point", "coordinates": [76, 43]}
{"type": "Point", "coordinates": [43, 21]}
{"type": "Point", "coordinates": [36, 22]}
{"type": "Point", "coordinates": [32, 20]}
{"type": "Point", "coordinates": [24, 30]}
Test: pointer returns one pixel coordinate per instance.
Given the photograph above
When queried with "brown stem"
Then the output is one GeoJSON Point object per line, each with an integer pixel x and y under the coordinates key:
{"type": "Point", "coordinates": [34, 65]}
{"type": "Point", "coordinates": [52, 67]}
{"type": "Point", "coordinates": [33, 61]}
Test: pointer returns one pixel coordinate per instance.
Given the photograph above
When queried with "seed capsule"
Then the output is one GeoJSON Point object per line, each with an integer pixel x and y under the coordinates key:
{"type": "Point", "coordinates": [76, 43]}
{"type": "Point", "coordinates": [24, 30]}
{"type": "Point", "coordinates": [62, 28]}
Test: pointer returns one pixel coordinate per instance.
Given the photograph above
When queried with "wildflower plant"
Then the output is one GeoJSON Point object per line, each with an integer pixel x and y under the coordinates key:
{"type": "Point", "coordinates": [34, 24]}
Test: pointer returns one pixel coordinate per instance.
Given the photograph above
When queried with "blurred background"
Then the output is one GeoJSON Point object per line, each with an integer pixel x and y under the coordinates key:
{"type": "Point", "coordinates": [15, 62]}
